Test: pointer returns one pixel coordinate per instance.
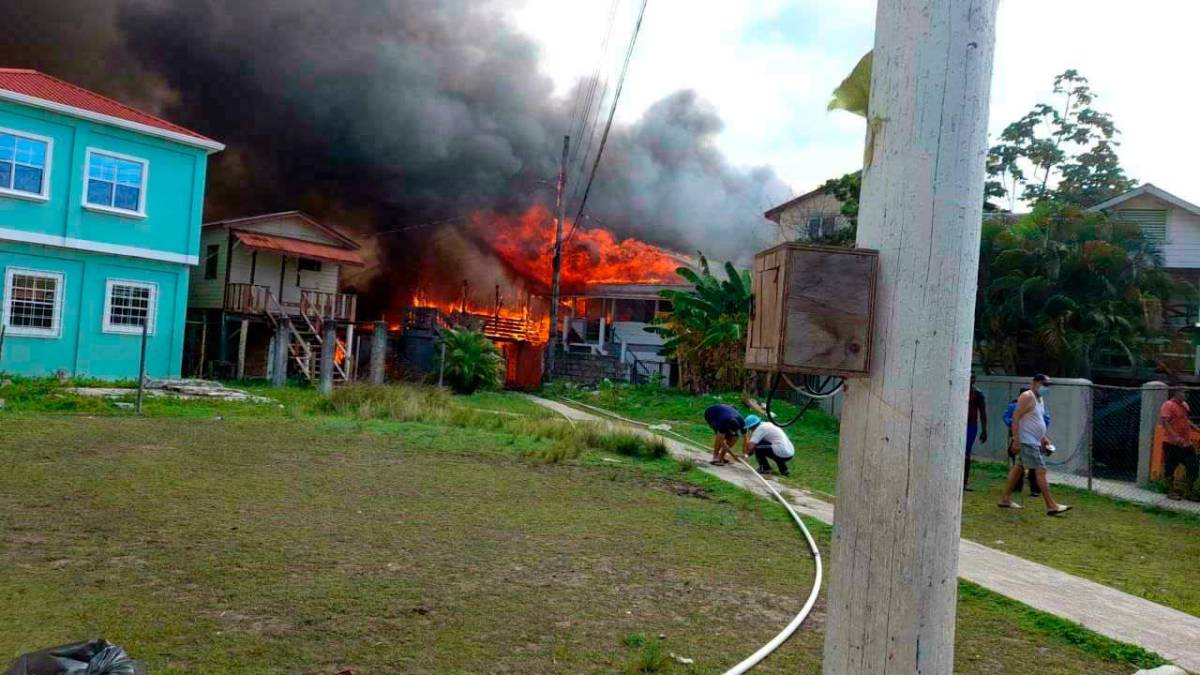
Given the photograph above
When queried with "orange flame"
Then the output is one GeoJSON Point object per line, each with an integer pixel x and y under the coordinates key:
{"type": "Point", "coordinates": [502, 321]}
{"type": "Point", "coordinates": [591, 256]}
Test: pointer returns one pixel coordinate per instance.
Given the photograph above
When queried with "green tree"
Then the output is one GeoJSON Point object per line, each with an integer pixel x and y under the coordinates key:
{"type": "Point", "coordinates": [846, 189]}
{"type": "Point", "coordinates": [1067, 153]}
{"type": "Point", "coordinates": [1063, 289]}
{"type": "Point", "coordinates": [472, 360]}
{"type": "Point", "coordinates": [705, 330]}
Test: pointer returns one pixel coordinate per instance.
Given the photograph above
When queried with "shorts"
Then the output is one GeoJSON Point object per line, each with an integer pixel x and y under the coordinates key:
{"type": "Point", "coordinates": [1032, 457]}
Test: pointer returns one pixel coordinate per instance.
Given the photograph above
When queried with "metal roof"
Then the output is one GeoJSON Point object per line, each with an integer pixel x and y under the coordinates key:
{"type": "Point", "coordinates": [38, 89]}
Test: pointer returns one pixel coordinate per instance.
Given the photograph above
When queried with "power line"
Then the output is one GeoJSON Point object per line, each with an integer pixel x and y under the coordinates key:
{"type": "Point", "coordinates": [612, 111]}
{"type": "Point", "coordinates": [588, 117]}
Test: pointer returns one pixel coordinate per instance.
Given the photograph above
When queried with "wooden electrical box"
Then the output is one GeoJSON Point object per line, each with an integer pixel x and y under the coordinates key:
{"type": "Point", "coordinates": [813, 310]}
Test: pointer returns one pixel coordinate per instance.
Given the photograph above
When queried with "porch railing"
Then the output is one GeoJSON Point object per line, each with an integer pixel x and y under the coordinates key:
{"type": "Point", "coordinates": [253, 299]}
{"type": "Point", "coordinates": [340, 306]}
{"type": "Point", "coordinates": [246, 298]}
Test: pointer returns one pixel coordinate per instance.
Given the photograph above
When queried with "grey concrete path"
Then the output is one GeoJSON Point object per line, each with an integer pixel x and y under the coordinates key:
{"type": "Point", "coordinates": [1167, 632]}
{"type": "Point", "coordinates": [1123, 490]}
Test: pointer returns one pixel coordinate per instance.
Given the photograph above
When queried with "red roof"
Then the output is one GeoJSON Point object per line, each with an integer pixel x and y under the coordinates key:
{"type": "Point", "coordinates": [41, 86]}
{"type": "Point", "coordinates": [299, 249]}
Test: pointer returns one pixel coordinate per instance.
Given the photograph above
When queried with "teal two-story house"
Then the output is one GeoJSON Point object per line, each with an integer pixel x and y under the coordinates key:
{"type": "Point", "coordinates": [100, 211]}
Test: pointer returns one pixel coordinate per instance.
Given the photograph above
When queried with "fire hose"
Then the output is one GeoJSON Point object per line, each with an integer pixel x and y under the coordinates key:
{"type": "Point", "coordinates": [763, 652]}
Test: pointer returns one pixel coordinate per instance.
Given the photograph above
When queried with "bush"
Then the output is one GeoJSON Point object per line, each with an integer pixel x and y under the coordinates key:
{"type": "Point", "coordinates": [472, 360]}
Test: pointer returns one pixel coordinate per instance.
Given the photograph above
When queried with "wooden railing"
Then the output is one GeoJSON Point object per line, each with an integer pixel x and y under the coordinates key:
{"type": "Point", "coordinates": [339, 306]}
{"type": "Point", "coordinates": [254, 299]}
{"type": "Point", "coordinates": [246, 298]}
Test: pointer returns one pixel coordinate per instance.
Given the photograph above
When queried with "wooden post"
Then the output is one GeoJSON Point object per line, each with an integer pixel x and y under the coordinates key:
{"type": "Point", "coordinates": [203, 342]}
{"type": "Point", "coordinates": [378, 352]}
{"type": "Point", "coordinates": [442, 367]}
{"type": "Point", "coordinates": [894, 572]}
{"type": "Point", "coordinates": [351, 356]}
{"type": "Point", "coordinates": [241, 364]}
{"type": "Point", "coordinates": [328, 346]}
{"type": "Point", "coordinates": [556, 265]}
{"type": "Point", "coordinates": [282, 338]}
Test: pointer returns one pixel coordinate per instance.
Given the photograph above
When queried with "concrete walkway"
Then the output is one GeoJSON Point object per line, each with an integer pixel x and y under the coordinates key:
{"type": "Point", "coordinates": [1167, 632]}
{"type": "Point", "coordinates": [1123, 490]}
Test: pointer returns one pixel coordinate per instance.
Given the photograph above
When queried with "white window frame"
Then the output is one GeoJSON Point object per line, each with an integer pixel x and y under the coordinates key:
{"type": "Point", "coordinates": [60, 289]}
{"type": "Point", "coordinates": [44, 195]}
{"type": "Point", "coordinates": [151, 311]}
{"type": "Point", "coordinates": [101, 208]}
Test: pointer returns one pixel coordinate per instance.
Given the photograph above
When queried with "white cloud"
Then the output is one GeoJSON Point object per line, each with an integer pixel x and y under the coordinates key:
{"type": "Point", "coordinates": [771, 86]}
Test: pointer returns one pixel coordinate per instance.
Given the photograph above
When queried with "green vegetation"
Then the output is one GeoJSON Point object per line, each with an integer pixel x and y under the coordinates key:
{"type": "Point", "coordinates": [1064, 152]}
{"type": "Point", "coordinates": [1062, 288]}
{"type": "Point", "coordinates": [385, 535]}
{"type": "Point", "coordinates": [706, 329]}
{"type": "Point", "coordinates": [473, 361]}
{"type": "Point", "coordinates": [1137, 549]}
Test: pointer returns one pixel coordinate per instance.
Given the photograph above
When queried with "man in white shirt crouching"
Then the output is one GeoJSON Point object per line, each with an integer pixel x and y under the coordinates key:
{"type": "Point", "coordinates": [766, 441]}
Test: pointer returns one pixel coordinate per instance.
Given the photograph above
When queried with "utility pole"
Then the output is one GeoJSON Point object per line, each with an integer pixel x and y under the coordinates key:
{"type": "Point", "coordinates": [561, 203]}
{"type": "Point", "coordinates": [894, 573]}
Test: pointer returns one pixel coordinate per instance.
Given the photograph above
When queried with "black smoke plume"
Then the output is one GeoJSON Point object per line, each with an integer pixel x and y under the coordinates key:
{"type": "Point", "coordinates": [386, 115]}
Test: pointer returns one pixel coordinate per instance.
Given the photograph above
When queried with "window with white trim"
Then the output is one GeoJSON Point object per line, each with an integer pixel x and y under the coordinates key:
{"type": "Point", "coordinates": [115, 183]}
{"type": "Point", "coordinates": [32, 302]}
{"type": "Point", "coordinates": [24, 164]}
{"type": "Point", "coordinates": [129, 305]}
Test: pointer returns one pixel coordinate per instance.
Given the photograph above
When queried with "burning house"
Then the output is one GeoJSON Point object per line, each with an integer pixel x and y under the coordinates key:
{"type": "Point", "coordinates": [495, 276]}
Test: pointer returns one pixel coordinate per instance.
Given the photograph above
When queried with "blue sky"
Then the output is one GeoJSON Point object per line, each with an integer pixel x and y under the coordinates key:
{"type": "Point", "coordinates": [769, 66]}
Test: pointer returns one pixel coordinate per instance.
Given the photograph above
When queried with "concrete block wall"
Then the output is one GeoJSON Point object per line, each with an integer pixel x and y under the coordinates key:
{"type": "Point", "coordinates": [589, 368]}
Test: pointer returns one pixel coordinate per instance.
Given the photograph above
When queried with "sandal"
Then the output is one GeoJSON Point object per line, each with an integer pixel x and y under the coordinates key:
{"type": "Point", "coordinates": [1010, 505]}
{"type": "Point", "coordinates": [1062, 508]}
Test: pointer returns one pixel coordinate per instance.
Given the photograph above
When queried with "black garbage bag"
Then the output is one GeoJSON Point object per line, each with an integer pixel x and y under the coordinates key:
{"type": "Point", "coordinates": [95, 657]}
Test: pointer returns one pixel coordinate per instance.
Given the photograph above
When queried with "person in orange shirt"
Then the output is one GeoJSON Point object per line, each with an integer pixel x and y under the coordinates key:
{"type": "Point", "coordinates": [1177, 445]}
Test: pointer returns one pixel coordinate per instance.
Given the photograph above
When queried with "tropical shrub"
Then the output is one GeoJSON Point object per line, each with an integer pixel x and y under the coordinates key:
{"type": "Point", "coordinates": [706, 329]}
{"type": "Point", "coordinates": [1063, 287]}
{"type": "Point", "coordinates": [473, 361]}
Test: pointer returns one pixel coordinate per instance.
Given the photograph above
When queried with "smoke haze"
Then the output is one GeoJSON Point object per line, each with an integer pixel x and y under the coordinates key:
{"type": "Point", "coordinates": [387, 115]}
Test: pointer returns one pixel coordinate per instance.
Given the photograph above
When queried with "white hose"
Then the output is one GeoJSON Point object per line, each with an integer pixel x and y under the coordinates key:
{"type": "Point", "coordinates": [766, 650]}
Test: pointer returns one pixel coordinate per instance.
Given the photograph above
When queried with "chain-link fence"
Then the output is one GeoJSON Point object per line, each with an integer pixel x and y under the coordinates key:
{"type": "Point", "coordinates": [1116, 414]}
{"type": "Point", "coordinates": [1099, 431]}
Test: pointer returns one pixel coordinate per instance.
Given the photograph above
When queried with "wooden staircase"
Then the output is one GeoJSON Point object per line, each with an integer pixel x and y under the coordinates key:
{"type": "Point", "coordinates": [306, 339]}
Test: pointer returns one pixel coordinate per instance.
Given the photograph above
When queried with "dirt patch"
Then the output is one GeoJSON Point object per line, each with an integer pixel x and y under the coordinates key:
{"type": "Point", "coordinates": [682, 489]}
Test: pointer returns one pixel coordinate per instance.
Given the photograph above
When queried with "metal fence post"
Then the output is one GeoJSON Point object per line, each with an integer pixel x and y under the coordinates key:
{"type": "Point", "coordinates": [142, 367]}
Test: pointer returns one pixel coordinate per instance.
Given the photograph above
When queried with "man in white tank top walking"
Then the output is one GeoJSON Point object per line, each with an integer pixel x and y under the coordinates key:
{"type": "Point", "coordinates": [1029, 444]}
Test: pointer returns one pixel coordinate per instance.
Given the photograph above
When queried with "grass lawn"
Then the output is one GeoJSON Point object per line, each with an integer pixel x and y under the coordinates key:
{"type": "Point", "coordinates": [1143, 551]}
{"type": "Point", "coordinates": [277, 538]}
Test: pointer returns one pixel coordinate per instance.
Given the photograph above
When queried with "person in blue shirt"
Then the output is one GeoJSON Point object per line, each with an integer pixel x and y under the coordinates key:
{"type": "Point", "coordinates": [727, 424]}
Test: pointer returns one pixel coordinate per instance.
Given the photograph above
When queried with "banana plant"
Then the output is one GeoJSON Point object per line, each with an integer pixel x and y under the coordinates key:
{"type": "Point", "coordinates": [706, 329]}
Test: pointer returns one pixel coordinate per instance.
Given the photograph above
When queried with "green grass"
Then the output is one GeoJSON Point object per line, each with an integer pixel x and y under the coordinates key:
{"type": "Point", "coordinates": [1143, 551]}
{"type": "Point", "coordinates": [322, 536]}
